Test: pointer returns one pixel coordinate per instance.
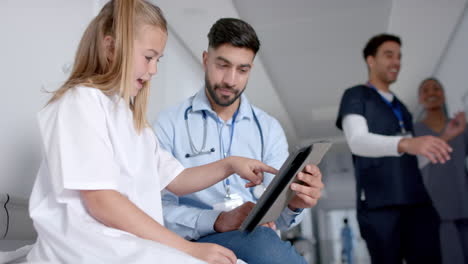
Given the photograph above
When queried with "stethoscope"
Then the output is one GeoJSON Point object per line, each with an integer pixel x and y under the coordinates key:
{"type": "Point", "coordinates": [202, 151]}
{"type": "Point", "coordinates": [198, 152]}
{"type": "Point", "coordinates": [195, 151]}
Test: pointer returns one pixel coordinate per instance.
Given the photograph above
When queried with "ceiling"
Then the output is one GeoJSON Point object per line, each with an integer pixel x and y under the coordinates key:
{"type": "Point", "coordinates": [311, 49]}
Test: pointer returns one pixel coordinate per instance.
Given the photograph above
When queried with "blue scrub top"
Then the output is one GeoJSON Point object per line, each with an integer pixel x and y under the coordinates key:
{"type": "Point", "coordinates": [384, 181]}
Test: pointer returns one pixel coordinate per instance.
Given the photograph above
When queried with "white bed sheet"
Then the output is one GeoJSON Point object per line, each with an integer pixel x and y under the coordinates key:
{"type": "Point", "coordinates": [19, 256]}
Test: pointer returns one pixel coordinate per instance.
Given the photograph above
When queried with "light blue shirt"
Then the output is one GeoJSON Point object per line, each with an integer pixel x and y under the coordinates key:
{"type": "Point", "coordinates": [192, 216]}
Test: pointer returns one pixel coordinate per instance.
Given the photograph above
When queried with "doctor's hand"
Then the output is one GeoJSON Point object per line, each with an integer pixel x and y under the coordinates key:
{"type": "Point", "coordinates": [232, 220]}
{"type": "Point", "coordinates": [250, 169]}
{"type": "Point", "coordinates": [308, 190]}
{"type": "Point", "coordinates": [433, 148]}
{"type": "Point", "coordinates": [211, 253]}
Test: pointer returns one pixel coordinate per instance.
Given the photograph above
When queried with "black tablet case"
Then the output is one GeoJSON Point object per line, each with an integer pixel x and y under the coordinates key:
{"type": "Point", "coordinates": [278, 193]}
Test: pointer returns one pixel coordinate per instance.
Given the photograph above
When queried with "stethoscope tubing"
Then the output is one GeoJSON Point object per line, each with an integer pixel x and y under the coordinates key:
{"type": "Point", "coordinates": [198, 152]}
{"type": "Point", "coordinates": [202, 151]}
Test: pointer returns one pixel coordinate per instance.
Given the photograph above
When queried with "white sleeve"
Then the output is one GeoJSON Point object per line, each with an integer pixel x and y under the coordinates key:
{"type": "Point", "coordinates": [77, 146]}
{"type": "Point", "coordinates": [366, 144]}
{"type": "Point", "coordinates": [168, 166]}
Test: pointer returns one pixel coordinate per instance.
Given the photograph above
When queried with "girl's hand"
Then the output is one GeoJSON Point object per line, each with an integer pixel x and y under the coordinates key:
{"type": "Point", "coordinates": [211, 253]}
{"type": "Point", "coordinates": [250, 169]}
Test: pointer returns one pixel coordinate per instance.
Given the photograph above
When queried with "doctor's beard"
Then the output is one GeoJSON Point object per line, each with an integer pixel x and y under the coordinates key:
{"type": "Point", "coordinates": [223, 100]}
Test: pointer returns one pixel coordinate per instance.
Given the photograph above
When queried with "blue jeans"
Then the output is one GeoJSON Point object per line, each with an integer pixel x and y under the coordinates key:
{"type": "Point", "coordinates": [262, 246]}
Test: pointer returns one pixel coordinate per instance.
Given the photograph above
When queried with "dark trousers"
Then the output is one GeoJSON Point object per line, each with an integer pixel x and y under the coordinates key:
{"type": "Point", "coordinates": [398, 233]}
{"type": "Point", "coordinates": [462, 228]}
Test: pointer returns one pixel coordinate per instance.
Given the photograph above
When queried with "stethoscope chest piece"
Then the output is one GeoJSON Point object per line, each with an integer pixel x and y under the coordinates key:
{"type": "Point", "coordinates": [188, 155]}
{"type": "Point", "coordinates": [195, 151]}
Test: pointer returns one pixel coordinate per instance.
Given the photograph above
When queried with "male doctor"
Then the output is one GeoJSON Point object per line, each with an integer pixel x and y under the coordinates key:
{"type": "Point", "coordinates": [394, 212]}
{"type": "Point", "coordinates": [217, 122]}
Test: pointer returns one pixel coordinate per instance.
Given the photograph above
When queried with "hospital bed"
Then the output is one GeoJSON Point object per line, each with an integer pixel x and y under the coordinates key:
{"type": "Point", "coordinates": [16, 229]}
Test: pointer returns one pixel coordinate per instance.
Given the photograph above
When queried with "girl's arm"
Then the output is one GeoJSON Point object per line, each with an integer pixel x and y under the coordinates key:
{"type": "Point", "coordinates": [198, 178]}
{"type": "Point", "coordinates": [114, 210]}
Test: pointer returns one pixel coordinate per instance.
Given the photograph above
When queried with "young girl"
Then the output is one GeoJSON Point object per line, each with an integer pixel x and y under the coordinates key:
{"type": "Point", "coordinates": [447, 184]}
{"type": "Point", "coordinates": [97, 194]}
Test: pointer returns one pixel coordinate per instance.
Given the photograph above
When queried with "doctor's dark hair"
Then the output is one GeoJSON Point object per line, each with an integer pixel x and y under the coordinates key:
{"type": "Point", "coordinates": [235, 32]}
{"type": "Point", "coordinates": [375, 42]}
{"type": "Point", "coordinates": [110, 68]}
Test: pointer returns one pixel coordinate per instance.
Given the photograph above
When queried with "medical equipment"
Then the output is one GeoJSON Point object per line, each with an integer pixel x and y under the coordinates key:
{"type": "Point", "coordinates": [258, 190]}
{"type": "Point", "coordinates": [202, 151]}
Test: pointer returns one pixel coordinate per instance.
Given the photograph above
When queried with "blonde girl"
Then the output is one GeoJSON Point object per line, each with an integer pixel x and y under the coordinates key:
{"type": "Point", "coordinates": [96, 198]}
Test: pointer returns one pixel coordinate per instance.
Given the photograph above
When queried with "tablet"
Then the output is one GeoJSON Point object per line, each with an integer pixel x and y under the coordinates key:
{"type": "Point", "coordinates": [278, 193]}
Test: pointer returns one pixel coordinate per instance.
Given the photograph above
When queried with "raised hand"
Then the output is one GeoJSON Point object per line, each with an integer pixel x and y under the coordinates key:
{"type": "Point", "coordinates": [455, 127]}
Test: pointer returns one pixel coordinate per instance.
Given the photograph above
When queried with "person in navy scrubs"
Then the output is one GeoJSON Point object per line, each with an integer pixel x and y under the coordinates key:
{"type": "Point", "coordinates": [395, 214]}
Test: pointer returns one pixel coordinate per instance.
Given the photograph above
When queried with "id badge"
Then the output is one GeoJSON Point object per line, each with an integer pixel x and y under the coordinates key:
{"type": "Point", "coordinates": [229, 202]}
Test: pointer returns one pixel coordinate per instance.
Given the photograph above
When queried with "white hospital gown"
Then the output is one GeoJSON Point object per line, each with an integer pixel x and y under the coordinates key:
{"type": "Point", "coordinates": [90, 144]}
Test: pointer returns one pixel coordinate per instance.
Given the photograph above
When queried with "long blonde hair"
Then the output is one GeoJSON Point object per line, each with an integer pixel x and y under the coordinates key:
{"type": "Point", "coordinates": [93, 68]}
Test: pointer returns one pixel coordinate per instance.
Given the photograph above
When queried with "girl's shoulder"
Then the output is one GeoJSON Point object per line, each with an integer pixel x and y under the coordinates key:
{"type": "Point", "coordinates": [85, 93]}
{"type": "Point", "coordinates": [87, 97]}
{"type": "Point", "coordinates": [79, 99]}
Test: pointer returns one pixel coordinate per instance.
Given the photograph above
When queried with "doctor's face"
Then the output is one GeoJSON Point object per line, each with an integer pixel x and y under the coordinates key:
{"type": "Point", "coordinates": [227, 70]}
{"type": "Point", "coordinates": [148, 48]}
{"type": "Point", "coordinates": [385, 65]}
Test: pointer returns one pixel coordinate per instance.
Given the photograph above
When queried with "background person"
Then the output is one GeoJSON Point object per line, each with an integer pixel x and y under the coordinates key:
{"type": "Point", "coordinates": [447, 184]}
{"type": "Point", "coordinates": [394, 212]}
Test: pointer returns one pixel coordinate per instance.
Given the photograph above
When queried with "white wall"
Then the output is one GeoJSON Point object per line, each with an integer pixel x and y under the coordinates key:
{"type": "Point", "coordinates": [191, 20]}
{"type": "Point", "coordinates": [453, 67]}
{"type": "Point", "coordinates": [425, 28]}
{"type": "Point", "coordinates": [38, 38]}
{"type": "Point", "coordinates": [179, 76]}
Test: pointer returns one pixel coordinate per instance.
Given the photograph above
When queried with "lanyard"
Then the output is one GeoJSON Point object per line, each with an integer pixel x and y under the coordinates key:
{"type": "Point", "coordinates": [226, 183]}
{"type": "Point", "coordinates": [396, 109]}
